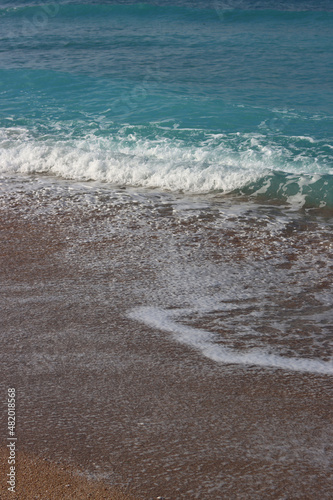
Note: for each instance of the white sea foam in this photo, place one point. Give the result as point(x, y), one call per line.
point(213, 163)
point(205, 342)
point(130, 161)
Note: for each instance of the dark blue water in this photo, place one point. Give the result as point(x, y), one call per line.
point(198, 96)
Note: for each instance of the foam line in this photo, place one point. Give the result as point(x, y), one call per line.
point(203, 341)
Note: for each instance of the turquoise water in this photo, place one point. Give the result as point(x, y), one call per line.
point(200, 97)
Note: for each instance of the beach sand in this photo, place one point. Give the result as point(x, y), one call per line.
point(126, 404)
point(39, 478)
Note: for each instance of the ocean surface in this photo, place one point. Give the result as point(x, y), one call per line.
point(197, 96)
point(212, 122)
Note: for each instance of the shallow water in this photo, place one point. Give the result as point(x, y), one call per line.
point(241, 282)
point(169, 343)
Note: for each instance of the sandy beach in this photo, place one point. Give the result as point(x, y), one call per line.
point(124, 403)
point(39, 478)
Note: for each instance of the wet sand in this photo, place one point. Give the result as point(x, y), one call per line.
point(127, 404)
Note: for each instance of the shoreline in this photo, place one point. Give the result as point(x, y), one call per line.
point(119, 400)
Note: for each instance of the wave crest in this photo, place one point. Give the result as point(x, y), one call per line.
point(188, 161)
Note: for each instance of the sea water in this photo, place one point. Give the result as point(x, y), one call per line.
point(215, 116)
point(198, 96)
